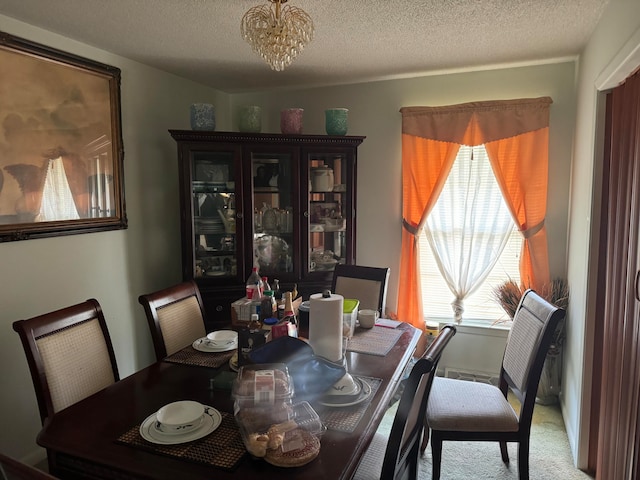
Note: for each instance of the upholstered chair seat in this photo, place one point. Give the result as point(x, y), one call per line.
point(470, 406)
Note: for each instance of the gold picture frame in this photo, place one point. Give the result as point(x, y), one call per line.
point(61, 154)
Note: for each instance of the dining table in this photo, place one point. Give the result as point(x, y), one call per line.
point(97, 437)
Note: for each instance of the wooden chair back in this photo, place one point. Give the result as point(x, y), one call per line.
point(366, 284)
point(401, 455)
point(175, 316)
point(69, 353)
point(531, 335)
point(12, 469)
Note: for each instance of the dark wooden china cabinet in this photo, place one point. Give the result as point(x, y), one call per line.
point(285, 203)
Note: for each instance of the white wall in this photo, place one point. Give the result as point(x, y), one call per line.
point(477, 350)
point(619, 23)
point(115, 267)
point(374, 112)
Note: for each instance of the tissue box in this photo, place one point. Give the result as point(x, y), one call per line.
point(241, 311)
point(349, 316)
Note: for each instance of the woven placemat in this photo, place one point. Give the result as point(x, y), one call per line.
point(374, 341)
point(191, 356)
point(345, 419)
point(223, 448)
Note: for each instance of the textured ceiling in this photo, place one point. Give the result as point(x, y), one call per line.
point(355, 40)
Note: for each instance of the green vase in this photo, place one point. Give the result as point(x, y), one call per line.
point(336, 121)
point(250, 119)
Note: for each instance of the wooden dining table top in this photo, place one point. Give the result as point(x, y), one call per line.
point(83, 436)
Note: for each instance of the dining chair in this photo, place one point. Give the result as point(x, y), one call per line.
point(175, 316)
point(366, 284)
point(396, 456)
point(70, 357)
point(12, 469)
point(461, 410)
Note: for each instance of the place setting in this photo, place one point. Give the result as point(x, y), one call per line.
point(217, 342)
point(183, 429)
point(212, 351)
point(180, 422)
point(346, 392)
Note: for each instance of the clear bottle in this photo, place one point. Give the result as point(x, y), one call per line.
point(265, 284)
point(254, 285)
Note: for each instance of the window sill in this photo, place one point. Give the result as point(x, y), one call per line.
point(477, 327)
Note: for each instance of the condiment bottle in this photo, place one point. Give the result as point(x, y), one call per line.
point(289, 315)
point(277, 293)
point(267, 306)
point(254, 323)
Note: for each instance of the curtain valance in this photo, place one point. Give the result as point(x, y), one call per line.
point(476, 123)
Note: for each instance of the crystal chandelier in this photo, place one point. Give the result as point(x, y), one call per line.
point(277, 33)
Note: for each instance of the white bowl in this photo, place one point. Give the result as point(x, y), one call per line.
point(178, 417)
point(345, 386)
point(221, 338)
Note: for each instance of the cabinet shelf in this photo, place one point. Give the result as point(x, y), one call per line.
point(277, 227)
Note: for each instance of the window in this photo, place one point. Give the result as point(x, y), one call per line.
point(476, 243)
point(515, 133)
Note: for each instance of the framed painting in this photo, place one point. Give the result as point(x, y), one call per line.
point(61, 155)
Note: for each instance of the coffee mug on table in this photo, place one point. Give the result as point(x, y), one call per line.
point(367, 318)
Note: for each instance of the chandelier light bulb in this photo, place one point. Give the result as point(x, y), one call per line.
point(277, 33)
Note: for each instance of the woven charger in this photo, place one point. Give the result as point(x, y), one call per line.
point(346, 419)
point(223, 448)
point(191, 356)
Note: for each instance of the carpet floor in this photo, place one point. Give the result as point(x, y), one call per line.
point(549, 456)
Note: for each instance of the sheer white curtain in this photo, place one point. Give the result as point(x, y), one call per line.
point(57, 200)
point(469, 226)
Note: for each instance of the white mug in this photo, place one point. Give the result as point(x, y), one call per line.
point(367, 318)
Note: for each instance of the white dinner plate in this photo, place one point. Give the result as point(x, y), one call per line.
point(211, 420)
point(333, 401)
point(202, 345)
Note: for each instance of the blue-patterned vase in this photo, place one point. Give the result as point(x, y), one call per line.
point(203, 116)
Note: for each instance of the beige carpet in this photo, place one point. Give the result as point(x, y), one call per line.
point(549, 457)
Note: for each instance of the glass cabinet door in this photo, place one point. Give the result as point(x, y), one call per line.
point(328, 211)
point(273, 226)
point(213, 191)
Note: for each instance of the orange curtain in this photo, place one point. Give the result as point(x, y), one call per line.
point(515, 133)
point(426, 165)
